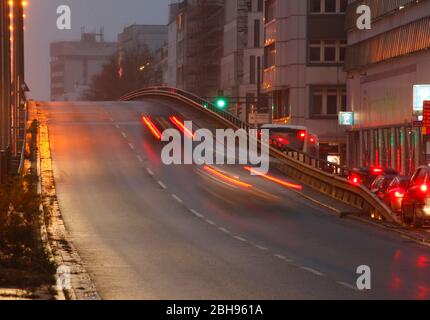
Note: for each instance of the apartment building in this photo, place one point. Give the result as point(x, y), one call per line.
point(242, 51)
point(305, 43)
point(74, 63)
point(136, 38)
point(388, 79)
point(196, 41)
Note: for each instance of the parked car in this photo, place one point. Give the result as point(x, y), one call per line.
point(381, 183)
point(361, 176)
point(366, 176)
point(416, 201)
point(395, 192)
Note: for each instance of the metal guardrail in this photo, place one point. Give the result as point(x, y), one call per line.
point(295, 164)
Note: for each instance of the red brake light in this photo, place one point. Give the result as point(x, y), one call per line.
point(398, 194)
point(355, 180)
point(302, 134)
point(376, 171)
point(424, 188)
point(312, 140)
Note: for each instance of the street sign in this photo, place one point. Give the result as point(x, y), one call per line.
point(346, 118)
point(417, 124)
point(421, 94)
point(426, 117)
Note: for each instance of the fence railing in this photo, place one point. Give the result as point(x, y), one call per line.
point(316, 173)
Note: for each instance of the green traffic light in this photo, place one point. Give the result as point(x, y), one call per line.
point(221, 103)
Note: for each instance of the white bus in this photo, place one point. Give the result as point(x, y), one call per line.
point(293, 138)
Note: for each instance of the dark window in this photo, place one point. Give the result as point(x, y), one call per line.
point(315, 54)
point(332, 104)
point(257, 42)
point(330, 54)
point(317, 104)
point(269, 56)
point(330, 5)
point(252, 69)
point(343, 5)
point(260, 5)
point(315, 6)
point(270, 10)
point(343, 103)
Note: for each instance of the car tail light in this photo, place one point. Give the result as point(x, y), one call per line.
point(302, 134)
point(377, 171)
point(152, 127)
point(313, 140)
point(355, 180)
point(398, 194)
point(424, 188)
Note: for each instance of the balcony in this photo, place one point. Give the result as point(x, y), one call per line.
point(270, 34)
point(269, 78)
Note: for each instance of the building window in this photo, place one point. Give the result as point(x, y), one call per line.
point(281, 104)
point(270, 11)
point(252, 72)
point(328, 6)
point(260, 5)
point(181, 22)
point(257, 41)
point(327, 51)
point(327, 101)
point(269, 56)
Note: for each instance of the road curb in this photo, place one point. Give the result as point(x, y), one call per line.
point(55, 236)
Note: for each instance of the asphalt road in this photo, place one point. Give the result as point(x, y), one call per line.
point(150, 231)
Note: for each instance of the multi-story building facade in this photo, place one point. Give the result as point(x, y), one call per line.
point(242, 50)
point(136, 38)
point(75, 63)
point(304, 45)
point(388, 79)
point(195, 35)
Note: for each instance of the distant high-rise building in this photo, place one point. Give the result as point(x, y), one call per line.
point(74, 63)
point(136, 38)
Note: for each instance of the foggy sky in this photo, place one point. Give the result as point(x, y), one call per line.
point(113, 15)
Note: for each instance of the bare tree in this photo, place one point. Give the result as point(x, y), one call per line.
point(129, 71)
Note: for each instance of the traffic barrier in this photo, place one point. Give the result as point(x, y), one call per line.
point(294, 164)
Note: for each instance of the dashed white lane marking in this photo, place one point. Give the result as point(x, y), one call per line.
point(162, 185)
point(224, 230)
point(280, 256)
point(261, 247)
point(198, 215)
point(174, 196)
point(124, 135)
point(150, 172)
point(347, 285)
point(132, 146)
point(240, 239)
point(313, 271)
point(111, 119)
point(117, 126)
point(210, 222)
point(139, 158)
